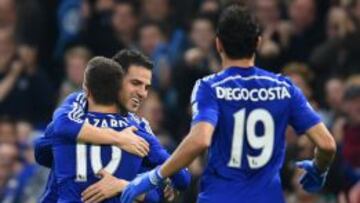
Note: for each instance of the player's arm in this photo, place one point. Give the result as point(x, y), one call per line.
point(43, 151)
point(110, 186)
point(305, 120)
point(69, 121)
point(205, 116)
point(43, 147)
point(158, 155)
point(325, 146)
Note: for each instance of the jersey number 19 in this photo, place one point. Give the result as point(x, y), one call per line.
point(264, 142)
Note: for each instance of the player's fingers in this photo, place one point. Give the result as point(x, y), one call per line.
point(96, 198)
point(144, 146)
point(167, 194)
point(142, 140)
point(141, 151)
point(89, 192)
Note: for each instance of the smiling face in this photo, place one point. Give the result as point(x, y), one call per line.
point(135, 87)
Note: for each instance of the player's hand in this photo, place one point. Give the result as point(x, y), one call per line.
point(142, 184)
point(170, 193)
point(313, 179)
point(132, 143)
point(107, 187)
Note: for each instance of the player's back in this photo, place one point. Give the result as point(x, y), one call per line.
point(250, 109)
point(76, 164)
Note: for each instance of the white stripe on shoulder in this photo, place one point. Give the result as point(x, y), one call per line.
point(78, 108)
point(75, 114)
point(253, 77)
point(195, 89)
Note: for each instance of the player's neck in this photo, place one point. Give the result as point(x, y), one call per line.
point(103, 108)
point(242, 63)
point(100, 108)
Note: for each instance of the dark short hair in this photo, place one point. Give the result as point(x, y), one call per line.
point(238, 32)
point(103, 79)
point(127, 57)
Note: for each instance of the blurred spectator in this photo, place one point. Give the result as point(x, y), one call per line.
point(24, 133)
point(76, 59)
point(7, 130)
point(152, 111)
point(210, 6)
point(153, 42)
point(334, 90)
point(8, 162)
point(25, 91)
point(338, 54)
point(29, 26)
point(302, 76)
point(202, 37)
point(7, 13)
point(303, 32)
point(156, 10)
point(347, 135)
point(269, 52)
point(111, 29)
point(199, 60)
point(70, 19)
point(125, 22)
point(151, 36)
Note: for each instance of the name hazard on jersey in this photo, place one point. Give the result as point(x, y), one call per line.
point(255, 95)
point(103, 123)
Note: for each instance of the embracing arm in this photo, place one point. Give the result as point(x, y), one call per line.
point(69, 121)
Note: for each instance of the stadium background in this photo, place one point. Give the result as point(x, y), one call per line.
point(44, 47)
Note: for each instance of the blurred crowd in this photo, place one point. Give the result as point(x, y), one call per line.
point(45, 45)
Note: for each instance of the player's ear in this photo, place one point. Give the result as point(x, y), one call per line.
point(218, 44)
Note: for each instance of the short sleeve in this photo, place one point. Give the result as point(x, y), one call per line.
point(69, 117)
point(204, 104)
point(302, 115)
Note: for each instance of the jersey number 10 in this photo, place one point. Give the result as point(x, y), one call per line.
point(96, 165)
point(264, 142)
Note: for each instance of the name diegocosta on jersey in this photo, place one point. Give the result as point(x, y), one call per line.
point(255, 95)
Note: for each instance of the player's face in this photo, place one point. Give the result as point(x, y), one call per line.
point(135, 87)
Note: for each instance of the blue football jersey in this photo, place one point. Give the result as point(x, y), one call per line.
point(61, 135)
point(76, 164)
point(250, 109)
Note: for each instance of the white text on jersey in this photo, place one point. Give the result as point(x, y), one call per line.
point(256, 94)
